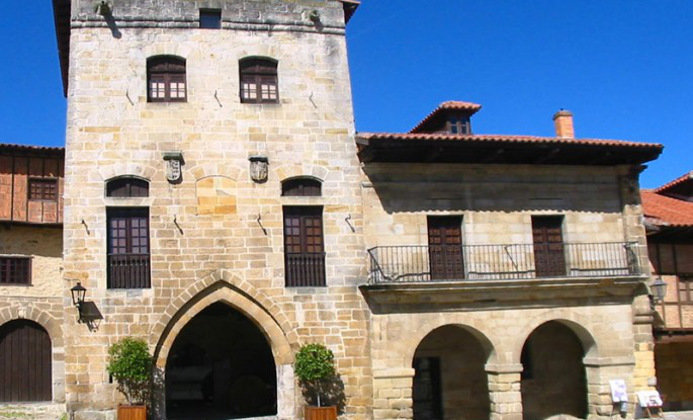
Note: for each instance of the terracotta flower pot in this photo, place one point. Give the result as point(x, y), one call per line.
point(321, 413)
point(132, 412)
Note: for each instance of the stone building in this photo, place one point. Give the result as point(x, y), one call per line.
point(219, 204)
point(669, 221)
point(31, 245)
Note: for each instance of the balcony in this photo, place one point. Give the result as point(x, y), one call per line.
point(128, 271)
point(305, 269)
point(429, 264)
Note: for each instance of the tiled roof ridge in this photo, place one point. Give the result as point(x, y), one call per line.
point(507, 138)
point(683, 178)
point(459, 105)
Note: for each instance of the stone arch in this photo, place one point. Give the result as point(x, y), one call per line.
point(295, 170)
point(421, 333)
point(122, 169)
point(224, 169)
point(238, 294)
point(566, 318)
point(450, 378)
point(32, 313)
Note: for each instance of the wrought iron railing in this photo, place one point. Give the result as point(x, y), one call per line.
point(421, 263)
point(128, 271)
point(305, 269)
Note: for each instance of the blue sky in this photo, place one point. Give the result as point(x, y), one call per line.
point(624, 67)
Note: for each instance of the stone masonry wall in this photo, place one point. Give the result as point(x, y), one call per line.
point(229, 252)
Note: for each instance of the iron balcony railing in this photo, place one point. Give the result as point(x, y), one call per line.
point(128, 271)
point(421, 263)
point(305, 269)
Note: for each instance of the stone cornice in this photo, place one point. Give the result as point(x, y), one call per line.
point(471, 295)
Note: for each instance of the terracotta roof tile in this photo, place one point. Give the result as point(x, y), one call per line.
point(31, 148)
point(677, 181)
point(445, 106)
point(504, 139)
point(666, 211)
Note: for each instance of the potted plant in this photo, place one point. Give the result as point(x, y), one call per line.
point(314, 368)
point(130, 364)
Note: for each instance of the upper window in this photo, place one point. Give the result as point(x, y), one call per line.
point(210, 18)
point(459, 125)
point(15, 270)
point(166, 79)
point(301, 187)
point(43, 189)
point(127, 187)
point(259, 80)
point(304, 253)
point(128, 247)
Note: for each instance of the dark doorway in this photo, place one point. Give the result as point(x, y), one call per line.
point(450, 381)
point(553, 376)
point(220, 367)
point(25, 362)
point(445, 247)
point(549, 257)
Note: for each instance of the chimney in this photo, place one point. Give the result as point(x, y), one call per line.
point(563, 120)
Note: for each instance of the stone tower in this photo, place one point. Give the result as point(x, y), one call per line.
point(212, 202)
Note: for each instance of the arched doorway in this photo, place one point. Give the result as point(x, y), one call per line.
point(220, 366)
point(553, 375)
point(25, 362)
point(450, 381)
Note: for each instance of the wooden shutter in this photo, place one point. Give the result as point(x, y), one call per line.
point(303, 246)
point(445, 247)
point(25, 362)
point(549, 257)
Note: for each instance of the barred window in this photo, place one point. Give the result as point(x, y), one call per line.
point(166, 79)
point(15, 270)
point(259, 83)
point(43, 189)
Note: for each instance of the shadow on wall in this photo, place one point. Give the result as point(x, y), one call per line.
point(425, 187)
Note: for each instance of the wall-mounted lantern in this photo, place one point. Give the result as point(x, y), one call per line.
point(88, 312)
point(659, 289)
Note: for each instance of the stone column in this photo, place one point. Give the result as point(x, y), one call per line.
point(504, 391)
point(598, 372)
point(392, 394)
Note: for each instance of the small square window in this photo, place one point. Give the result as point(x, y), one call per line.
point(210, 18)
point(43, 189)
point(15, 270)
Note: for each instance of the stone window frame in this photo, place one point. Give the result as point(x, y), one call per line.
point(15, 270)
point(301, 186)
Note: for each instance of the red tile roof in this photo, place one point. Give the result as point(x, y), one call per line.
point(666, 211)
point(503, 138)
point(677, 181)
point(448, 106)
point(28, 148)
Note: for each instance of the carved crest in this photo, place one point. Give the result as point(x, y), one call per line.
point(258, 168)
point(174, 163)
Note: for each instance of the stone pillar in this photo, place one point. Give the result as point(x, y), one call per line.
point(598, 372)
point(392, 394)
point(504, 391)
point(286, 409)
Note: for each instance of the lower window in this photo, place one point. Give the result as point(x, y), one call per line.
point(128, 248)
point(304, 254)
point(15, 270)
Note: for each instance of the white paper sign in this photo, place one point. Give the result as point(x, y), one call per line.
point(649, 399)
point(618, 390)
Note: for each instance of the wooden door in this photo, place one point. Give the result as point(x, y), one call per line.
point(445, 247)
point(25, 362)
point(426, 392)
point(549, 254)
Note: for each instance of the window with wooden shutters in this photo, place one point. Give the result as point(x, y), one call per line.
point(166, 79)
point(549, 254)
point(127, 187)
point(304, 256)
point(259, 83)
point(445, 247)
point(15, 270)
point(128, 248)
point(301, 187)
point(43, 189)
